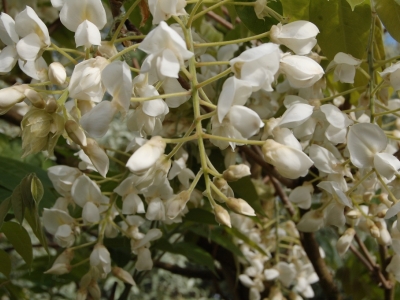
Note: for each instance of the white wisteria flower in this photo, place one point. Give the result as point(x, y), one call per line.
point(301, 71)
point(8, 35)
point(117, 79)
point(85, 18)
point(34, 34)
point(257, 66)
point(87, 195)
point(289, 162)
point(86, 83)
point(162, 10)
point(298, 36)
point(392, 74)
point(100, 259)
point(345, 67)
point(366, 143)
point(167, 52)
point(60, 224)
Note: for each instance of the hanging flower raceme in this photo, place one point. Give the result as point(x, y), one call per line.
point(85, 18)
point(167, 52)
point(298, 36)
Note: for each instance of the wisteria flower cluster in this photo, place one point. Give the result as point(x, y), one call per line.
point(270, 100)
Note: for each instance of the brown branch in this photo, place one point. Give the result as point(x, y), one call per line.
point(5, 6)
point(361, 257)
point(311, 247)
point(376, 267)
point(220, 20)
point(283, 196)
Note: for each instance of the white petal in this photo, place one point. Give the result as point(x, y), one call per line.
point(168, 64)
point(335, 117)
point(97, 156)
point(27, 22)
point(90, 213)
point(364, 140)
point(245, 120)
point(85, 190)
point(8, 35)
point(234, 92)
point(301, 196)
point(323, 159)
point(387, 165)
point(33, 69)
point(28, 47)
point(151, 235)
point(103, 111)
point(296, 115)
point(132, 204)
point(74, 12)
point(155, 108)
point(87, 34)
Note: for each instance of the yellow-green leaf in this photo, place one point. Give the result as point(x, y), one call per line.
point(296, 9)
point(33, 219)
point(341, 29)
point(18, 204)
point(5, 265)
point(389, 13)
point(19, 238)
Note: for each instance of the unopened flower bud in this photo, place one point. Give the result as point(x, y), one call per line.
point(81, 294)
point(374, 230)
point(353, 214)
point(35, 98)
point(384, 239)
point(367, 197)
point(57, 73)
point(177, 204)
point(51, 106)
point(94, 290)
point(62, 263)
point(97, 156)
point(344, 241)
point(75, 132)
point(107, 49)
point(224, 187)
point(123, 275)
point(240, 206)
point(222, 215)
point(383, 198)
point(11, 96)
point(235, 172)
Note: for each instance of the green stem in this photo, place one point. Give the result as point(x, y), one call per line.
point(343, 93)
point(130, 37)
point(122, 21)
point(211, 63)
point(222, 138)
point(126, 50)
point(193, 12)
point(214, 78)
point(62, 52)
point(388, 190)
point(165, 96)
point(202, 13)
point(243, 40)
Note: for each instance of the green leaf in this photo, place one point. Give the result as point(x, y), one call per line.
point(4, 208)
point(244, 188)
point(5, 265)
point(193, 252)
point(33, 219)
point(389, 13)
point(219, 236)
point(14, 171)
point(248, 16)
point(341, 29)
point(236, 233)
point(18, 204)
point(295, 9)
point(19, 238)
point(199, 215)
point(37, 189)
point(26, 191)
